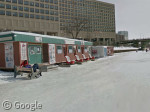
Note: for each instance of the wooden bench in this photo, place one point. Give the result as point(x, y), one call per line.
point(64, 64)
point(47, 67)
point(31, 74)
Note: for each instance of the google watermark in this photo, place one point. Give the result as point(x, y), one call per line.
point(8, 105)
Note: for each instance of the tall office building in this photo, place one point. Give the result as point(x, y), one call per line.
point(119, 38)
point(52, 17)
point(125, 33)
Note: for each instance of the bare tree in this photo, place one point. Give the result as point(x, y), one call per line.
point(76, 26)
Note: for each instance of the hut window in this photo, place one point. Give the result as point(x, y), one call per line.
point(85, 49)
point(70, 49)
point(38, 50)
point(79, 49)
point(59, 49)
point(32, 50)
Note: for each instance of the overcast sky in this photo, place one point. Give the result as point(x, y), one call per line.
point(133, 16)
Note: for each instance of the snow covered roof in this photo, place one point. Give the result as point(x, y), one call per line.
point(31, 34)
point(67, 40)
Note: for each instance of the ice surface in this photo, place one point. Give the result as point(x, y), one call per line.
point(119, 83)
point(124, 48)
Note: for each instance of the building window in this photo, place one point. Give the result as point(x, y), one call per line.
point(41, 11)
point(85, 49)
point(26, 15)
point(26, 2)
point(14, 7)
point(51, 7)
point(14, 1)
point(52, 18)
point(37, 4)
point(8, 0)
point(70, 50)
point(51, 12)
point(56, 13)
point(46, 11)
point(20, 8)
point(47, 17)
point(41, 5)
point(46, 0)
point(26, 9)
point(20, 1)
point(46, 6)
point(38, 50)
point(37, 17)
point(14, 14)
point(56, 19)
point(31, 9)
point(79, 49)
point(56, 7)
point(8, 6)
point(8, 13)
point(55, 1)
point(37, 10)
point(31, 15)
point(2, 5)
point(31, 3)
point(20, 14)
point(42, 0)
point(2, 12)
point(59, 49)
point(51, 1)
point(42, 17)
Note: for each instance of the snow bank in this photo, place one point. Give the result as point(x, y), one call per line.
point(125, 48)
point(8, 77)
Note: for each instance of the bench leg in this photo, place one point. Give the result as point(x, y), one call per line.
point(15, 74)
point(15, 71)
point(32, 76)
point(29, 75)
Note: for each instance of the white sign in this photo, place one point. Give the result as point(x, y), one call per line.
point(85, 50)
point(5, 38)
point(38, 39)
point(70, 51)
point(52, 58)
point(69, 41)
point(9, 55)
point(79, 50)
point(23, 48)
point(59, 51)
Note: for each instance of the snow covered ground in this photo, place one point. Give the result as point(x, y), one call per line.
point(125, 48)
point(120, 83)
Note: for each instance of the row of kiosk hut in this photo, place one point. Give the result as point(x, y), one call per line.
point(17, 47)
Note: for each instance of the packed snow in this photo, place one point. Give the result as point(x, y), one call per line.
point(119, 83)
point(125, 48)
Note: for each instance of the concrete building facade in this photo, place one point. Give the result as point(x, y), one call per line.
point(125, 33)
point(120, 38)
point(51, 17)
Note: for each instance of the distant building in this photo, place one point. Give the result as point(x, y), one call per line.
point(120, 38)
point(125, 33)
point(51, 17)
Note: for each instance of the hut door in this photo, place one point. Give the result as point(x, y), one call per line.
point(82, 50)
point(64, 49)
point(35, 54)
point(52, 51)
point(9, 55)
